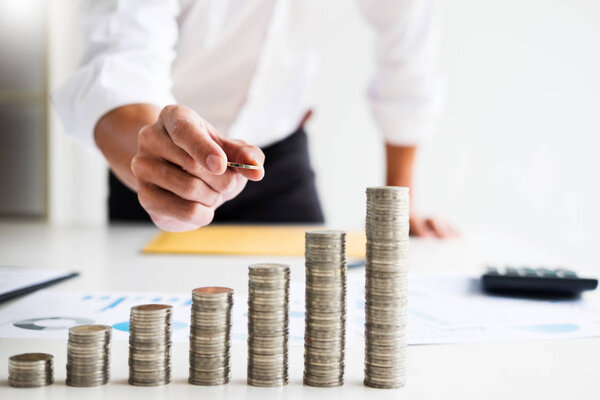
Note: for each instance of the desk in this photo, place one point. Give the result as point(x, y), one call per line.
point(109, 260)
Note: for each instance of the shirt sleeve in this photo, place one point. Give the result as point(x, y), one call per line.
point(129, 46)
point(405, 93)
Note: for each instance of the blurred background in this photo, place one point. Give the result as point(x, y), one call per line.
point(516, 150)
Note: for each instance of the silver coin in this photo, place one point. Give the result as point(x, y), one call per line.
point(268, 298)
point(243, 166)
point(88, 355)
point(387, 228)
point(30, 370)
point(325, 316)
point(150, 345)
point(210, 336)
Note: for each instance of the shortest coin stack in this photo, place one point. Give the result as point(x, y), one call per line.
point(210, 336)
point(30, 370)
point(268, 298)
point(88, 355)
point(150, 345)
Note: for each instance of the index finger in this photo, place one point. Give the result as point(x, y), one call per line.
point(191, 133)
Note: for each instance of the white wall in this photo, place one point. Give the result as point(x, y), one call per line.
point(77, 176)
point(516, 149)
point(517, 145)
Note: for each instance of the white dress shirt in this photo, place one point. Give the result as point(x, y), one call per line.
point(244, 65)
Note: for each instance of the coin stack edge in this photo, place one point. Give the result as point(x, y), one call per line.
point(325, 306)
point(268, 306)
point(210, 336)
point(387, 228)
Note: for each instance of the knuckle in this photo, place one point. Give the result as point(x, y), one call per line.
point(206, 217)
point(145, 134)
point(174, 111)
point(144, 198)
point(135, 165)
point(191, 211)
point(179, 128)
point(198, 214)
point(226, 183)
point(211, 199)
point(168, 111)
point(191, 164)
point(175, 119)
point(215, 199)
point(139, 165)
point(191, 187)
point(162, 224)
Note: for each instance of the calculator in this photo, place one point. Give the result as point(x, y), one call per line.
point(535, 281)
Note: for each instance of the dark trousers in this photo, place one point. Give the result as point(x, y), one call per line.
point(287, 194)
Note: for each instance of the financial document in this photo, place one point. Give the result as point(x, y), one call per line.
point(453, 309)
point(441, 309)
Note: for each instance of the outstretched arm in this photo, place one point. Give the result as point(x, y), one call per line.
point(117, 101)
point(399, 172)
point(405, 93)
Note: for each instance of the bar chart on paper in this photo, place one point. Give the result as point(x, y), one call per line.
point(441, 309)
point(49, 314)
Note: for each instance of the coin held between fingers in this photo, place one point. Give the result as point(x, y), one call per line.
point(244, 166)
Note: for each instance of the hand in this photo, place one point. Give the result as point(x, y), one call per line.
point(431, 227)
point(181, 169)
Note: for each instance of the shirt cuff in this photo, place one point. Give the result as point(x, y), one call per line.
point(407, 123)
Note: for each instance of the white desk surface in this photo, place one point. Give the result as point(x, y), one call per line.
point(109, 260)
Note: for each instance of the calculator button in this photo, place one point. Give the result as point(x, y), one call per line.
point(546, 273)
point(528, 271)
point(565, 273)
point(492, 271)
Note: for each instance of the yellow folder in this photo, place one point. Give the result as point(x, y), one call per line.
point(275, 240)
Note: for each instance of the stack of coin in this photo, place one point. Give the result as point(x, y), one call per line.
point(325, 319)
point(30, 370)
point(210, 336)
point(386, 267)
point(88, 355)
point(268, 302)
point(150, 345)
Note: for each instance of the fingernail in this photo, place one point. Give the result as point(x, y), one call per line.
point(214, 163)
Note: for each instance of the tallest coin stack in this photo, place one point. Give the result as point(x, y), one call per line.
point(385, 286)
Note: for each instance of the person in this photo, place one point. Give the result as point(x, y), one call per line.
point(170, 90)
